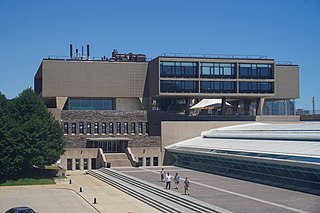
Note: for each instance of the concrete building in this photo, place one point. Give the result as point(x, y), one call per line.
point(114, 111)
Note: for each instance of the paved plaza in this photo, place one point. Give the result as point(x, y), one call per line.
point(227, 193)
point(232, 194)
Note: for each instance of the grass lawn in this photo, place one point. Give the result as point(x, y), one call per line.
point(34, 177)
point(28, 181)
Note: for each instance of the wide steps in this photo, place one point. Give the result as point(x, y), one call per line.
point(118, 159)
point(156, 196)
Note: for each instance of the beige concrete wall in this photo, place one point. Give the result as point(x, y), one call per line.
point(148, 152)
point(93, 79)
point(287, 85)
point(78, 153)
point(128, 104)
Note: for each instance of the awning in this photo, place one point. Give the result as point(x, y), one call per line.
point(209, 104)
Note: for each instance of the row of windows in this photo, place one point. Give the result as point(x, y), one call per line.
point(89, 104)
point(178, 69)
point(257, 71)
point(256, 87)
point(178, 86)
point(215, 87)
point(148, 161)
point(119, 128)
point(215, 70)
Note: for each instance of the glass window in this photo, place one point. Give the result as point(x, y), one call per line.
point(125, 127)
point(256, 71)
point(88, 127)
point(140, 160)
point(73, 128)
point(69, 164)
point(217, 70)
point(81, 130)
point(140, 128)
point(65, 128)
point(104, 128)
point(118, 127)
point(178, 69)
point(178, 86)
point(256, 87)
point(133, 127)
point(77, 164)
point(96, 128)
point(89, 104)
point(147, 161)
point(217, 87)
point(85, 163)
point(147, 128)
point(110, 128)
point(155, 161)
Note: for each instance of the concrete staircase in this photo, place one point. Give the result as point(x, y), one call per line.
point(153, 195)
point(117, 159)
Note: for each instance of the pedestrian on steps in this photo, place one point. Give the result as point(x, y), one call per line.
point(186, 186)
point(168, 181)
point(162, 174)
point(177, 180)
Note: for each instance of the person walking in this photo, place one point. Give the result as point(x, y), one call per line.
point(168, 181)
point(177, 180)
point(162, 174)
point(186, 186)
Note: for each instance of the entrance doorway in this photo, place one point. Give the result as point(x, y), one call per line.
point(108, 146)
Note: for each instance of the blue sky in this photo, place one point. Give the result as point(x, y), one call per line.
point(286, 30)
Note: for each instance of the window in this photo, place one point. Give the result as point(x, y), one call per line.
point(85, 163)
point(104, 128)
point(77, 164)
point(217, 70)
point(178, 69)
point(133, 128)
point(178, 86)
point(155, 161)
point(65, 128)
point(147, 161)
point(110, 128)
point(140, 161)
point(256, 87)
point(125, 127)
point(217, 87)
point(140, 128)
point(88, 128)
point(256, 71)
point(89, 104)
point(81, 130)
point(118, 127)
point(96, 128)
point(147, 128)
point(69, 164)
point(73, 128)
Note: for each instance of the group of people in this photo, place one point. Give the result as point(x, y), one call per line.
point(166, 177)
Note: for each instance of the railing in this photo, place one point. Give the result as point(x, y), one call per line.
point(205, 55)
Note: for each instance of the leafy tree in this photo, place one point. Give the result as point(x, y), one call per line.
point(33, 137)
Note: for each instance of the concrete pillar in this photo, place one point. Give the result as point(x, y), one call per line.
point(81, 164)
point(73, 164)
point(260, 104)
point(187, 111)
point(61, 101)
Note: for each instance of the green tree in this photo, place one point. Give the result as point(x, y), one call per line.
point(34, 138)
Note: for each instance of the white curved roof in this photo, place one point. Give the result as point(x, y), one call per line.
point(301, 139)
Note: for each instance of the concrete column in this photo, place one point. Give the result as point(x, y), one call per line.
point(73, 164)
point(285, 107)
point(89, 163)
point(260, 104)
point(61, 101)
point(187, 111)
point(81, 164)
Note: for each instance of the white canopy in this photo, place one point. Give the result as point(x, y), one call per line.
point(209, 103)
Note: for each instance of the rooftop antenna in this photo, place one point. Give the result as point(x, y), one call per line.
point(71, 51)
